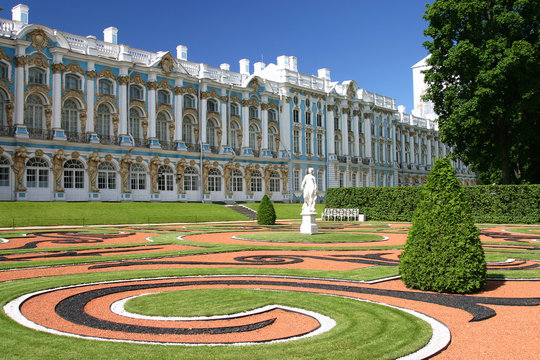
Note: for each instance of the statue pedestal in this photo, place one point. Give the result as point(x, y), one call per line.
point(309, 225)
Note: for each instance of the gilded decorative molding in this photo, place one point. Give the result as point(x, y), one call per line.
point(20, 61)
point(58, 68)
point(115, 121)
point(210, 94)
point(330, 107)
point(58, 169)
point(125, 165)
point(172, 126)
point(144, 125)
point(137, 79)
point(367, 115)
point(138, 103)
point(75, 94)
point(165, 84)
point(167, 63)
point(19, 167)
point(247, 176)
point(42, 90)
point(106, 99)
point(91, 74)
point(48, 117)
point(4, 55)
point(224, 99)
point(153, 170)
point(190, 89)
point(74, 67)
point(235, 98)
point(38, 61)
point(180, 167)
point(39, 39)
point(10, 109)
point(192, 113)
point(178, 90)
point(251, 102)
point(152, 85)
point(357, 113)
point(345, 111)
point(285, 177)
point(92, 163)
point(107, 73)
point(123, 80)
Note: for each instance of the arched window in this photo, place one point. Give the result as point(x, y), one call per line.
point(272, 137)
point(105, 87)
point(33, 114)
point(191, 179)
point(235, 132)
point(103, 120)
point(73, 174)
point(187, 130)
point(272, 115)
point(256, 181)
point(253, 112)
point(189, 102)
point(165, 178)
point(73, 82)
point(135, 92)
point(237, 180)
point(37, 173)
point(162, 127)
point(212, 105)
point(106, 176)
point(4, 171)
point(164, 97)
point(70, 116)
point(3, 112)
point(214, 180)
point(235, 109)
point(4, 71)
point(135, 122)
point(211, 132)
point(137, 175)
point(275, 183)
point(36, 76)
point(253, 132)
point(337, 145)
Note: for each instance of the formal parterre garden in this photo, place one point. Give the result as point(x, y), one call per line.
point(235, 289)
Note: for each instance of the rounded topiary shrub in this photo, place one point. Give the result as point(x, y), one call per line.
point(443, 252)
point(266, 215)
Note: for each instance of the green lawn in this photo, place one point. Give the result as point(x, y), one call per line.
point(288, 211)
point(295, 237)
point(15, 214)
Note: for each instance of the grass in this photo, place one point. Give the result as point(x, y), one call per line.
point(18, 214)
point(363, 330)
point(288, 211)
point(294, 237)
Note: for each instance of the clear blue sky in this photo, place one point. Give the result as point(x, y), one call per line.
point(374, 42)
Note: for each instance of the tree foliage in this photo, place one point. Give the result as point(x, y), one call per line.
point(484, 82)
point(266, 214)
point(443, 252)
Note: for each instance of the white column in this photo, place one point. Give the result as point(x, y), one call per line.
point(90, 99)
point(123, 81)
point(345, 133)
point(245, 125)
point(264, 119)
point(224, 137)
point(20, 62)
point(428, 148)
point(203, 111)
point(285, 127)
point(412, 142)
point(151, 86)
point(367, 133)
point(356, 136)
point(330, 132)
point(403, 158)
point(178, 110)
point(56, 123)
point(393, 146)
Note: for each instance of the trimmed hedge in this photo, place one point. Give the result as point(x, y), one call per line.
point(512, 204)
point(266, 214)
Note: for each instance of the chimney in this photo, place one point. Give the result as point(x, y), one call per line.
point(244, 66)
point(324, 73)
point(225, 67)
point(293, 63)
point(110, 35)
point(283, 62)
point(20, 13)
point(181, 52)
point(258, 67)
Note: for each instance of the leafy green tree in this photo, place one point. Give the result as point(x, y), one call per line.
point(484, 82)
point(266, 214)
point(443, 252)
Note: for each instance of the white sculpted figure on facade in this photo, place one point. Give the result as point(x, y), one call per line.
point(309, 185)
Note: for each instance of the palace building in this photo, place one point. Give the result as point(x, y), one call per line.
point(84, 119)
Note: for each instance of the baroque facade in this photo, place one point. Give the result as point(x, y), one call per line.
point(84, 119)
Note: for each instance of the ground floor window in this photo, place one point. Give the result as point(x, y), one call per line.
point(191, 179)
point(214, 180)
point(256, 181)
point(165, 178)
point(106, 176)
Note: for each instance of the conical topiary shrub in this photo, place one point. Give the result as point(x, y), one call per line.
point(266, 215)
point(443, 252)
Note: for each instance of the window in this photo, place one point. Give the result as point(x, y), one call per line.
point(336, 123)
point(253, 132)
point(361, 148)
point(308, 118)
point(351, 145)
point(256, 181)
point(103, 120)
point(272, 136)
point(162, 127)
point(353, 178)
point(4, 69)
point(319, 120)
point(341, 180)
point(320, 180)
point(135, 92)
point(165, 178)
point(296, 141)
point(212, 106)
point(253, 112)
point(272, 115)
point(309, 144)
point(189, 102)
point(296, 117)
point(70, 116)
point(106, 176)
point(235, 109)
point(235, 132)
point(237, 180)
point(33, 114)
point(296, 180)
point(37, 173)
point(164, 97)
point(3, 112)
point(191, 179)
point(319, 144)
point(4, 171)
point(187, 130)
point(36, 76)
point(295, 100)
point(214, 180)
point(105, 87)
point(212, 132)
point(135, 122)
point(137, 177)
point(275, 182)
point(337, 145)
point(73, 174)
point(73, 82)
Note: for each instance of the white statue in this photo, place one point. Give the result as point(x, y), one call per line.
point(309, 185)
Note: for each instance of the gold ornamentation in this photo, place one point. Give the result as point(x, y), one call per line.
point(247, 175)
point(165, 84)
point(167, 161)
point(227, 171)
point(48, 117)
point(83, 116)
point(190, 89)
point(92, 162)
point(285, 176)
point(115, 121)
point(125, 165)
point(58, 68)
point(19, 167)
point(38, 61)
point(206, 169)
point(58, 169)
point(107, 73)
point(167, 63)
point(224, 99)
point(74, 67)
point(152, 85)
point(75, 155)
point(39, 89)
point(235, 98)
point(20, 61)
point(74, 94)
point(180, 167)
point(139, 159)
point(330, 107)
point(350, 91)
point(123, 80)
point(137, 79)
point(254, 84)
point(39, 153)
point(1, 150)
point(4, 56)
point(39, 39)
point(108, 157)
point(251, 102)
point(145, 129)
point(178, 90)
point(91, 74)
